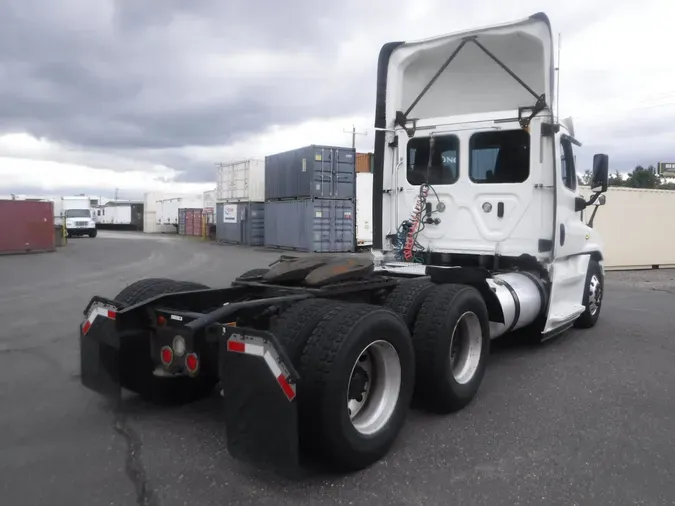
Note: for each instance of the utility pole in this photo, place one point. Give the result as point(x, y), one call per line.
point(354, 134)
point(116, 193)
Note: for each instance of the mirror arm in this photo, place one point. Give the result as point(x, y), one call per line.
point(590, 221)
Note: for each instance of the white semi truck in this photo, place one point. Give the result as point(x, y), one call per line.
point(479, 230)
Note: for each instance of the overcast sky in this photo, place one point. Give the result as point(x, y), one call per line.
point(149, 94)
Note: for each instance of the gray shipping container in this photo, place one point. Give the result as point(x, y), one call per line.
point(242, 223)
point(311, 172)
point(314, 225)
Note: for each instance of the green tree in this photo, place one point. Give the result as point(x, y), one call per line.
point(586, 178)
point(616, 179)
point(643, 178)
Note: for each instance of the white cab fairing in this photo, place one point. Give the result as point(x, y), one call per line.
point(471, 109)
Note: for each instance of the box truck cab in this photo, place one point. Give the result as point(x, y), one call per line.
point(77, 214)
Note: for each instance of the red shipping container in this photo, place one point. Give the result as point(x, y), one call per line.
point(26, 226)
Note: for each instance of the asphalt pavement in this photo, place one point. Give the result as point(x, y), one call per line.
point(585, 419)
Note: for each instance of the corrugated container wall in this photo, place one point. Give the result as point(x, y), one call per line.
point(314, 225)
point(26, 226)
point(364, 209)
point(241, 223)
point(190, 222)
point(635, 227)
point(242, 181)
point(364, 162)
point(311, 172)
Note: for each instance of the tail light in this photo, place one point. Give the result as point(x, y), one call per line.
point(192, 362)
point(167, 355)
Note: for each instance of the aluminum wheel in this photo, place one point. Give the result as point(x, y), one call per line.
point(374, 386)
point(594, 295)
point(465, 347)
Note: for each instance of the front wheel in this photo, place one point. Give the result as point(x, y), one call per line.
point(93, 233)
point(357, 373)
point(592, 299)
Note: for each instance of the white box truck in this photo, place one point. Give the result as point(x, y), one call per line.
point(77, 214)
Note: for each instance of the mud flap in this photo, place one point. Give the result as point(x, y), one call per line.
point(258, 386)
point(100, 351)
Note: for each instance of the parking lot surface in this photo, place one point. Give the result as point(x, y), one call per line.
point(586, 419)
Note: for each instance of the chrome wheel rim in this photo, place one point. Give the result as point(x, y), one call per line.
point(466, 345)
point(374, 387)
point(594, 295)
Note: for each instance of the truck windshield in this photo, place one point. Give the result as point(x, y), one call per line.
point(444, 162)
point(78, 213)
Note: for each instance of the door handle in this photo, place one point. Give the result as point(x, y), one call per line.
point(500, 210)
point(562, 234)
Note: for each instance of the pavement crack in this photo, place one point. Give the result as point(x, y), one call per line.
point(145, 495)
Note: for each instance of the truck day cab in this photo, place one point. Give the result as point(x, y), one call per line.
point(479, 230)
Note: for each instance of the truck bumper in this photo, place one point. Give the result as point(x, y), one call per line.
point(258, 384)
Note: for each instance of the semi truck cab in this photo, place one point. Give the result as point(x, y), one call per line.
point(472, 168)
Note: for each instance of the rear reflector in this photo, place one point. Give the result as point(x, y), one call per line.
point(93, 314)
point(261, 348)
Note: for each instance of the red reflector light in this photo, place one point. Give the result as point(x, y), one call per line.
point(191, 362)
point(167, 355)
point(237, 346)
point(112, 315)
point(161, 320)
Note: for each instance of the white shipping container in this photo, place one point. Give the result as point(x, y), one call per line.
point(364, 209)
point(635, 227)
point(161, 210)
point(169, 207)
point(242, 181)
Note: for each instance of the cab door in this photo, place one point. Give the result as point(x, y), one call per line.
point(569, 266)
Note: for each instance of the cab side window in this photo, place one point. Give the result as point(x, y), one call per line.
point(567, 165)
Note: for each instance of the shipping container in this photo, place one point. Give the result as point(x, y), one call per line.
point(242, 181)
point(364, 162)
point(311, 172)
point(241, 223)
point(314, 225)
point(364, 209)
point(635, 227)
point(26, 226)
point(161, 210)
point(190, 222)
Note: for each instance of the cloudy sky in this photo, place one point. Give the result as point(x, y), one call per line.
point(150, 94)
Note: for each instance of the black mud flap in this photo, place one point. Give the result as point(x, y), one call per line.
point(259, 391)
point(100, 349)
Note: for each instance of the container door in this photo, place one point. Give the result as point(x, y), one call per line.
point(343, 173)
point(569, 267)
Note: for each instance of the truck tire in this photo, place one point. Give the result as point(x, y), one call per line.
point(452, 345)
point(93, 233)
point(297, 323)
point(592, 299)
point(407, 298)
point(138, 374)
point(148, 288)
point(357, 371)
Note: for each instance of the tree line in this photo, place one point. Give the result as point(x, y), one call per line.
point(640, 177)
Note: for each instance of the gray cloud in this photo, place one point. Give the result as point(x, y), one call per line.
point(144, 79)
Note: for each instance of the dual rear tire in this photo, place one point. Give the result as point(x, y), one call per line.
point(360, 366)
